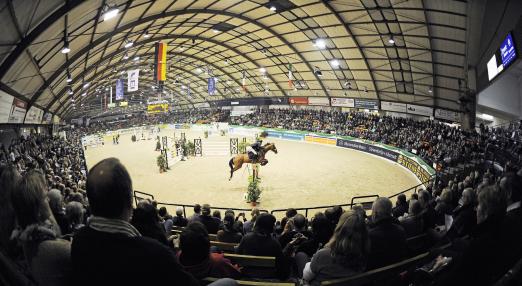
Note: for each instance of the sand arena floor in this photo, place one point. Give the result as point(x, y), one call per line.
point(300, 175)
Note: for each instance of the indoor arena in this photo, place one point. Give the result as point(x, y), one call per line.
point(261, 142)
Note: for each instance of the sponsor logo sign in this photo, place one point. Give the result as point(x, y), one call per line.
point(368, 148)
point(343, 102)
point(366, 103)
point(419, 110)
point(393, 106)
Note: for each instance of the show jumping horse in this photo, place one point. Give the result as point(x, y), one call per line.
point(240, 159)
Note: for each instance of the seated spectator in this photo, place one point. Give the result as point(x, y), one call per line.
point(229, 233)
point(211, 223)
point(401, 206)
point(444, 209)
point(429, 215)
point(56, 204)
point(74, 212)
point(295, 225)
point(48, 257)
point(195, 256)
point(248, 226)
point(290, 213)
point(511, 230)
point(344, 255)
point(479, 262)
point(9, 178)
point(179, 220)
point(164, 214)
point(197, 213)
point(464, 216)
point(145, 219)
point(109, 248)
point(412, 220)
point(387, 238)
point(260, 242)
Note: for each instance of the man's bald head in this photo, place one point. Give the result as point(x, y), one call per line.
point(381, 209)
point(109, 189)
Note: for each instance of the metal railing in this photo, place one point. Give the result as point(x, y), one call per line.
point(354, 201)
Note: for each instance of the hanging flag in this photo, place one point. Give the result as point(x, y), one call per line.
point(119, 89)
point(132, 82)
point(290, 76)
point(212, 86)
point(160, 62)
point(243, 82)
point(188, 89)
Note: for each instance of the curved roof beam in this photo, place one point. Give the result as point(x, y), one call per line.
point(117, 52)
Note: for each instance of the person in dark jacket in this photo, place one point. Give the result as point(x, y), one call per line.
point(401, 206)
point(412, 223)
point(109, 248)
point(145, 219)
point(387, 238)
point(464, 216)
point(211, 223)
point(229, 233)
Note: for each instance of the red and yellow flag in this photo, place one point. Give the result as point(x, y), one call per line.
point(160, 62)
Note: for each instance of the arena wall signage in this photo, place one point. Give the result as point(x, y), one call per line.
point(447, 114)
point(318, 101)
point(18, 110)
point(6, 104)
point(393, 106)
point(299, 100)
point(47, 118)
point(157, 107)
point(419, 110)
point(366, 103)
point(34, 115)
point(368, 148)
point(320, 139)
point(343, 102)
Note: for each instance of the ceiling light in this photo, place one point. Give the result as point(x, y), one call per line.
point(215, 31)
point(125, 56)
point(226, 62)
point(365, 89)
point(430, 89)
point(317, 71)
point(146, 35)
point(129, 44)
point(273, 8)
point(320, 43)
point(84, 94)
point(110, 13)
point(199, 70)
point(65, 49)
point(181, 48)
point(391, 40)
point(334, 63)
point(136, 58)
point(70, 92)
point(86, 85)
point(69, 78)
point(262, 70)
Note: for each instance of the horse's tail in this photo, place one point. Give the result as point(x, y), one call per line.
point(231, 165)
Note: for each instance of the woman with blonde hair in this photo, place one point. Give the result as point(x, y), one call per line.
point(344, 255)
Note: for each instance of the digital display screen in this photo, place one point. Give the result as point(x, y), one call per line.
point(507, 51)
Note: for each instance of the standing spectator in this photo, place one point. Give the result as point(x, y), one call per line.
point(344, 255)
point(388, 239)
point(109, 247)
point(229, 233)
point(211, 223)
point(56, 204)
point(511, 186)
point(74, 212)
point(48, 256)
point(9, 178)
point(195, 256)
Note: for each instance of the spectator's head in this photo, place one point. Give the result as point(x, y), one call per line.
point(468, 197)
point(216, 214)
point(321, 227)
point(145, 214)
point(264, 223)
point(349, 244)
point(205, 210)
point(163, 212)
point(194, 243)
point(74, 212)
point(490, 204)
point(179, 211)
point(290, 213)
point(414, 196)
point(414, 208)
point(197, 209)
point(255, 213)
point(510, 186)
point(299, 222)
point(424, 199)
point(29, 200)
point(109, 190)
point(55, 201)
point(337, 212)
point(401, 199)
point(381, 209)
point(229, 223)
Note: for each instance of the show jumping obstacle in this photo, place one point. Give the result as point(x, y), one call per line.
point(236, 162)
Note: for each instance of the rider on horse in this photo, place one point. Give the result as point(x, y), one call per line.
point(254, 149)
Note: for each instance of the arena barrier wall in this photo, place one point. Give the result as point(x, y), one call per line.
point(410, 161)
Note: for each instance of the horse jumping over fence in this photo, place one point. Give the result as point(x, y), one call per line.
point(236, 162)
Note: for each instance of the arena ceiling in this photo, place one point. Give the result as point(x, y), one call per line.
point(411, 51)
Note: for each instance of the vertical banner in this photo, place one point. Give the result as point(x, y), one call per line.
point(211, 86)
point(160, 62)
point(18, 110)
point(119, 89)
point(243, 81)
point(188, 89)
point(290, 76)
point(132, 80)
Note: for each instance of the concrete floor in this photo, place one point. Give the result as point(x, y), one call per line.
point(301, 175)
